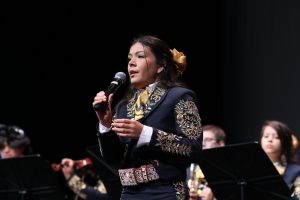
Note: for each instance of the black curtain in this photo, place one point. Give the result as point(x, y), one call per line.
point(261, 66)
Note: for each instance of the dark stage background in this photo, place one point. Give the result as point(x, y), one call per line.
point(243, 63)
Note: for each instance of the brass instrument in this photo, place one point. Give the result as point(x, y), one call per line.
point(197, 179)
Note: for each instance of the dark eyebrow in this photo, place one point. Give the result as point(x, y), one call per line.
point(137, 52)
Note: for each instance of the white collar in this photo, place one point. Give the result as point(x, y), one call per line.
point(152, 86)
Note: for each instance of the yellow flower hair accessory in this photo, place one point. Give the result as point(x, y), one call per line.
point(180, 60)
point(295, 143)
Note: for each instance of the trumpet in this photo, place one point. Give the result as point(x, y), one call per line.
point(197, 179)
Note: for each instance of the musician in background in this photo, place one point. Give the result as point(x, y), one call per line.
point(13, 142)
point(213, 136)
point(280, 145)
point(82, 179)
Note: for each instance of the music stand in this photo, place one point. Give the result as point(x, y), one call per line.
point(28, 178)
point(108, 174)
point(242, 172)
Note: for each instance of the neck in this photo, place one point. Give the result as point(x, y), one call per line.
point(274, 158)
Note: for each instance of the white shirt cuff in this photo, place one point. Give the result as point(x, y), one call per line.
point(103, 129)
point(145, 136)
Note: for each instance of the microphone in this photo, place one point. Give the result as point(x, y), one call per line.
point(119, 79)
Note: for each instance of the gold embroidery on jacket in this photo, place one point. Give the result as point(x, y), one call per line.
point(130, 108)
point(154, 98)
point(179, 187)
point(188, 118)
point(170, 143)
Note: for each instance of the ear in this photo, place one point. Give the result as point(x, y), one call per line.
point(160, 69)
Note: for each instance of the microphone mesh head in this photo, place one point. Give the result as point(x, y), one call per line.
point(121, 76)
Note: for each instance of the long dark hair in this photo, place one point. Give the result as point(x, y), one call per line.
point(285, 137)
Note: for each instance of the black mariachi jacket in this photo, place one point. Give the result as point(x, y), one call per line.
point(291, 177)
point(176, 140)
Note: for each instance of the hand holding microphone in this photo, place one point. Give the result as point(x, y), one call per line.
point(119, 79)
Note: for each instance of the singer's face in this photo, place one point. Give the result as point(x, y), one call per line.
point(142, 67)
point(270, 142)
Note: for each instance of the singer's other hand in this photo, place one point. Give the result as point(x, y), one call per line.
point(128, 128)
point(104, 118)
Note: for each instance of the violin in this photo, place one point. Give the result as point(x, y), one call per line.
point(78, 164)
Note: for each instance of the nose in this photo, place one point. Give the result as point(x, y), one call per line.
point(270, 139)
point(131, 62)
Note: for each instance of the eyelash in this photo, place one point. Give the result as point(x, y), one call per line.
point(139, 56)
point(266, 136)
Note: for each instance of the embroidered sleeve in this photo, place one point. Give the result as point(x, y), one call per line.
point(188, 119)
point(170, 143)
point(186, 143)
